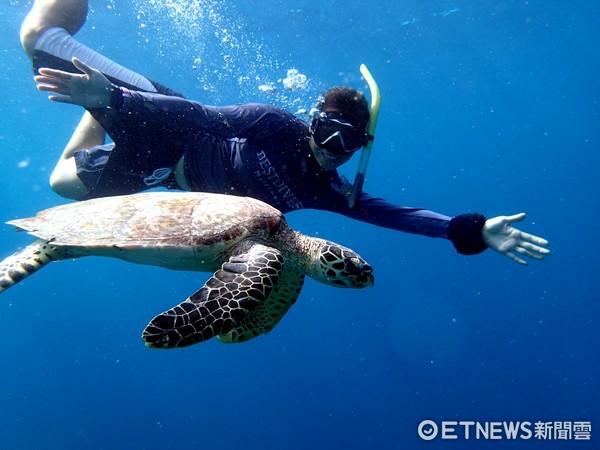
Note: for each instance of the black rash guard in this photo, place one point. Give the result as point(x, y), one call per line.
point(253, 150)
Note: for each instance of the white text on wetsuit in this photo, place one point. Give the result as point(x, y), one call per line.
point(271, 180)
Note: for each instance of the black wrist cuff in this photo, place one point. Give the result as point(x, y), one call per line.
point(465, 233)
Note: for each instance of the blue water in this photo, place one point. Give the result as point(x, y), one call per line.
point(487, 106)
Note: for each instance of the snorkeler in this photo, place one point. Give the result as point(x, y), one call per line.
point(256, 150)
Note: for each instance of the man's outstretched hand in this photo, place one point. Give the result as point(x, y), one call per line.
point(501, 236)
point(90, 89)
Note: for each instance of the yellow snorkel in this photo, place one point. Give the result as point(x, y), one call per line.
point(359, 180)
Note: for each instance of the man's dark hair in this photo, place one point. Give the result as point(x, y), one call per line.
point(350, 104)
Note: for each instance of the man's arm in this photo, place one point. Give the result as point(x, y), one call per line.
point(93, 91)
point(469, 233)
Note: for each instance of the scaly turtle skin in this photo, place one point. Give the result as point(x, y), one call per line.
point(258, 262)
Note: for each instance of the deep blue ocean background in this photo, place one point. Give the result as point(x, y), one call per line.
point(488, 106)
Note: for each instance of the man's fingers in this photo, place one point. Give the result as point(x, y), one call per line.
point(516, 258)
point(47, 81)
point(515, 218)
point(528, 252)
point(54, 73)
point(52, 89)
point(534, 239)
point(62, 99)
point(535, 248)
point(79, 64)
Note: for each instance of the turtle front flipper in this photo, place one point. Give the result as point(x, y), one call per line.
point(243, 282)
point(268, 314)
point(28, 261)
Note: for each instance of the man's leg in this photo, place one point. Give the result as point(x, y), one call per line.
point(46, 36)
point(64, 179)
point(67, 14)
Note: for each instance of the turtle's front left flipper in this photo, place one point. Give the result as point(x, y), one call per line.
point(227, 297)
point(28, 261)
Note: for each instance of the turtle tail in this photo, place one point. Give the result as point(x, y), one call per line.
point(26, 262)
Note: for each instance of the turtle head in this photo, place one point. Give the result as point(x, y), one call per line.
point(339, 266)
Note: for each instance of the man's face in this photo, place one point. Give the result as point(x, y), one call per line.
point(328, 160)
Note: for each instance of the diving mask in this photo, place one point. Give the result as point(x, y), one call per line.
point(335, 135)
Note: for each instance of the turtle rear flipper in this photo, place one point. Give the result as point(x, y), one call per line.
point(244, 282)
point(28, 261)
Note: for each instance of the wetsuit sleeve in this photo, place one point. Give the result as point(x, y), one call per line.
point(173, 115)
point(463, 231)
point(402, 218)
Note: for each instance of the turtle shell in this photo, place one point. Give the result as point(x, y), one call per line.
point(165, 219)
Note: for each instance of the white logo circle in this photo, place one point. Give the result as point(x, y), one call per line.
point(427, 430)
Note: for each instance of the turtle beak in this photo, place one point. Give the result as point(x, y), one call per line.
point(362, 271)
point(367, 277)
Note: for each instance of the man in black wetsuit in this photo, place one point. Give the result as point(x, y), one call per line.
point(257, 150)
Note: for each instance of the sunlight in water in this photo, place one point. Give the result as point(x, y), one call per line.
point(211, 37)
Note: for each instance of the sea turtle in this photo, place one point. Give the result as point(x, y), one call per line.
point(259, 262)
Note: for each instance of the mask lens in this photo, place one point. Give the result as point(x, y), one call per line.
point(335, 135)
